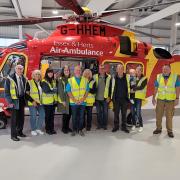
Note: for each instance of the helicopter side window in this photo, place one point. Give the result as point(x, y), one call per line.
point(133, 66)
point(56, 63)
point(111, 67)
point(9, 66)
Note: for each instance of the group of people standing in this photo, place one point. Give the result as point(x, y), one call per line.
point(74, 96)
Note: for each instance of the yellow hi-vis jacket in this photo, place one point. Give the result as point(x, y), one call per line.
point(108, 79)
point(167, 91)
point(113, 85)
point(78, 91)
point(141, 94)
point(14, 88)
point(49, 99)
point(34, 93)
point(91, 97)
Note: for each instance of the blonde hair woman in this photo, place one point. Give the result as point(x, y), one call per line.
point(35, 105)
point(90, 99)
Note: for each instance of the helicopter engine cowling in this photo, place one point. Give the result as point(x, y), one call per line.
point(161, 53)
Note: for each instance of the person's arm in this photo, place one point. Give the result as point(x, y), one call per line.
point(46, 89)
point(110, 89)
point(142, 86)
point(72, 97)
point(93, 90)
point(154, 96)
point(177, 91)
point(156, 85)
point(7, 93)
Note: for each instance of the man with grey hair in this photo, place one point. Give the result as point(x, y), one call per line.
point(15, 88)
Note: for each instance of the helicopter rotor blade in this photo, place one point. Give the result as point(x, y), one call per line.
point(30, 20)
point(144, 33)
point(112, 12)
point(71, 4)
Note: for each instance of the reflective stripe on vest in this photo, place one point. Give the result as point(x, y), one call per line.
point(78, 91)
point(48, 99)
point(91, 97)
point(13, 88)
point(141, 94)
point(167, 91)
point(34, 93)
point(106, 91)
point(128, 84)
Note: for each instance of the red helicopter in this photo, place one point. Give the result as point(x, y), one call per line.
point(84, 39)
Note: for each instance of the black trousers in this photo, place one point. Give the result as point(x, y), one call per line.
point(88, 117)
point(17, 119)
point(49, 117)
point(120, 104)
point(65, 120)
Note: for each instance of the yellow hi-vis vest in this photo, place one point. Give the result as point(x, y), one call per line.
point(141, 94)
point(106, 91)
point(49, 99)
point(34, 93)
point(14, 88)
point(167, 91)
point(78, 91)
point(113, 85)
point(91, 97)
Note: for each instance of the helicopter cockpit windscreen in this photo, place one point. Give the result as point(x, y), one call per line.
point(57, 63)
point(9, 66)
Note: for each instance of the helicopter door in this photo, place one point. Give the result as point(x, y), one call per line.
point(8, 67)
point(56, 63)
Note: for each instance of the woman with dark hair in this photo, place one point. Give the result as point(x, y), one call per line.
point(63, 99)
point(49, 98)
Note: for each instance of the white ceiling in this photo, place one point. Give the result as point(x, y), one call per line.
point(37, 8)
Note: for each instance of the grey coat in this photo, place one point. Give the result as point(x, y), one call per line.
point(61, 91)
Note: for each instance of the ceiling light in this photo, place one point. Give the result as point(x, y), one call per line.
point(55, 12)
point(177, 24)
point(122, 19)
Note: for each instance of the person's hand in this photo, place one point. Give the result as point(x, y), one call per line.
point(81, 100)
point(176, 102)
point(153, 101)
point(108, 100)
point(76, 101)
point(64, 104)
point(34, 103)
point(132, 91)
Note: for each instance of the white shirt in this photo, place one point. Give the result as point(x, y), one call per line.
point(18, 82)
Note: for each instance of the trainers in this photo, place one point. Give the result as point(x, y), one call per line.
point(39, 132)
point(133, 128)
point(33, 133)
point(140, 129)
point(170, 134)
point(81, 133)
point(157, 131)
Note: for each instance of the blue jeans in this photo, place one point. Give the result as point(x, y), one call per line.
point(77, 116)
point(36, 122)
point(136, 112)
point(102, 113)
